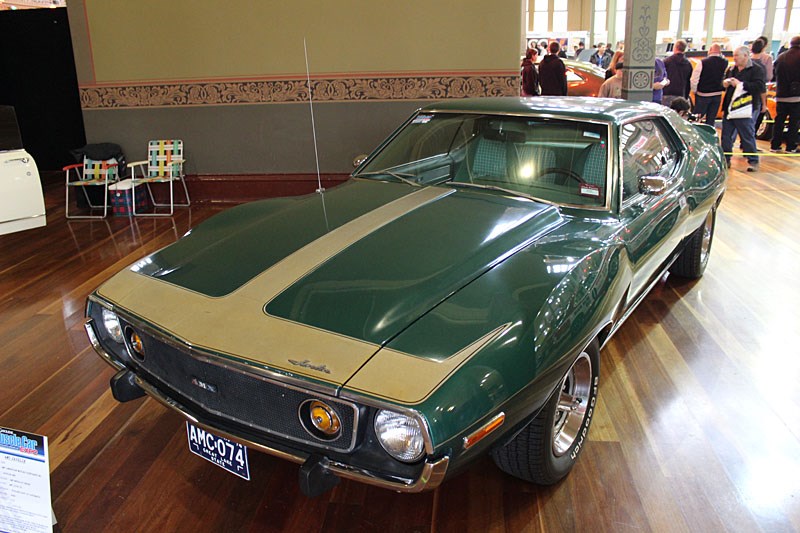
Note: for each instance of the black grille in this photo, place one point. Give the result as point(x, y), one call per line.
point(237, 396)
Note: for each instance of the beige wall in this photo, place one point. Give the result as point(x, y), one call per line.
point(204, 39)
point(213, 73)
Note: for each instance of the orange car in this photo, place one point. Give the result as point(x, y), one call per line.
point(583, 79)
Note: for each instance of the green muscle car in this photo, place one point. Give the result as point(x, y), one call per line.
point(449, 300)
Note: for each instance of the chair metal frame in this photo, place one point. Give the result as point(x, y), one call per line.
point(156, 166)
point(80, 172)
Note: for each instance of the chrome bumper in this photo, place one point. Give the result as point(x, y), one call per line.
point(433, 471)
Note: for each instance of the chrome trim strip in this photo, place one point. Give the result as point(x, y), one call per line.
point(89, 327)
point(40, 215)
point(387, 406)
point(433, 471)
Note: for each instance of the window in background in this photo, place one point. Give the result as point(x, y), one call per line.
point(600, 14)
point(540, 16)
point(758, 11)
point(794, 21)
point(560, 17)
point(674, 15)
point(780, 18)
point(697, 18)
point(719, 18)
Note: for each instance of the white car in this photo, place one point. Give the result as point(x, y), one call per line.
point(21, 199)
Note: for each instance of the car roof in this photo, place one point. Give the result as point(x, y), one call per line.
point(588, 108)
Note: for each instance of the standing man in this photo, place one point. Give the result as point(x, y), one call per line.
point(746, 73)
point(679, 72)
point(612, 87)
point(601, 57)
point(787, 97)
point(706, 83)
point(553, 73)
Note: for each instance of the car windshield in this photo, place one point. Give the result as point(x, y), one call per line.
point(559, 161)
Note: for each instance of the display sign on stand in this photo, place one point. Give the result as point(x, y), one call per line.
point(24, 482)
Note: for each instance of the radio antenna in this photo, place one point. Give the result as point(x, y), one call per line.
point(313, 126)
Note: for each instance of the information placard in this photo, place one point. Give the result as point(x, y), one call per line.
point(24, 482)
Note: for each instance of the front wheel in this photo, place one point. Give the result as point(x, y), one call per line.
point(546, 450)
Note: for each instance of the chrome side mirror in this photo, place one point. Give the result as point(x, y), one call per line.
point(359, 159)
point(652, 185)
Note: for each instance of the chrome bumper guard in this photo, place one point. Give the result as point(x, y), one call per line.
point(433, 471)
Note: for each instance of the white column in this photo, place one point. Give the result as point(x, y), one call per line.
point(769, 21)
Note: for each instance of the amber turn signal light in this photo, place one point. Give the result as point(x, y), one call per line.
point(320, 420)
point(477, 436)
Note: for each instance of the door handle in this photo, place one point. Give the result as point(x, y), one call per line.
point(23, 159)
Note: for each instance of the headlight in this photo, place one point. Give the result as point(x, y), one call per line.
point(400, 435)
point(111, 323)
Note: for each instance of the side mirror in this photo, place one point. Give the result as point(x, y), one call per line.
point(652, 185)
point(359, 159)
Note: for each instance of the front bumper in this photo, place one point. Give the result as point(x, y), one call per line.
point(431, 475)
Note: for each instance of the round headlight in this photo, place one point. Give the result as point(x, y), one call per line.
point(400, 435)
point(111, 323)
point(320, 419)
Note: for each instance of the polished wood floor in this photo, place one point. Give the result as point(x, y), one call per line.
point(698, 425)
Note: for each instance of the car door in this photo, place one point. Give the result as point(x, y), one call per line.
point(652, 223)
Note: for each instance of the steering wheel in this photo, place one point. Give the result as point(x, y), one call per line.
point(569, 173)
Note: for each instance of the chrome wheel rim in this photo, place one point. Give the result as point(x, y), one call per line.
point(762, 128)
point(708, 230)
point(572, 404)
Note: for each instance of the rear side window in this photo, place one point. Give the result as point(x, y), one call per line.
point(646, 151)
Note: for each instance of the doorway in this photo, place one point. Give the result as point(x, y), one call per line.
point(37, 77)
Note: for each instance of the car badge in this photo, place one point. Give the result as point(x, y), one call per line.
point(308, 364)
point(210, 387)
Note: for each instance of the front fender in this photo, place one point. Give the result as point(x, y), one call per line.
point(542, 308)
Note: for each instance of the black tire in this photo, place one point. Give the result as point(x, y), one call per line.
point(546, 450)
point(764, 131)
point(693, 260)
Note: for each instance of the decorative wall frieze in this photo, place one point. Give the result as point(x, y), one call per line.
point(179, 94)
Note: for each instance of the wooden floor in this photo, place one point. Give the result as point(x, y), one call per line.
point(698, 425)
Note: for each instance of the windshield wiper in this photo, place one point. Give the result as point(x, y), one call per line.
point(402, 176)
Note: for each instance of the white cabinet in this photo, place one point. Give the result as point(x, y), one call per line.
point(21, 199)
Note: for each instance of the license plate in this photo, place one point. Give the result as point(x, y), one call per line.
point(224, 453)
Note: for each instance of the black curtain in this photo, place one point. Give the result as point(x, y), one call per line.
point(37, 77)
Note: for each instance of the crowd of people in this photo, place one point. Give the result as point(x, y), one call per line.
point(740, 87)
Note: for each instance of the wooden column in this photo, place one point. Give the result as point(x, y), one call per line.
point(640, 45)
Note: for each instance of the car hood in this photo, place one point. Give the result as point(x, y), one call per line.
point(316, 285)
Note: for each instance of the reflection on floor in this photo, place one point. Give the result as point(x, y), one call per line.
point(697, 429)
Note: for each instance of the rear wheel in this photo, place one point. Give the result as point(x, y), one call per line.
point(546, 450)
point(694, 258)
point(764, 131)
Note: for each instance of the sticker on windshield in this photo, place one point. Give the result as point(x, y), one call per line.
point(593, 191)
point(422, 119)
